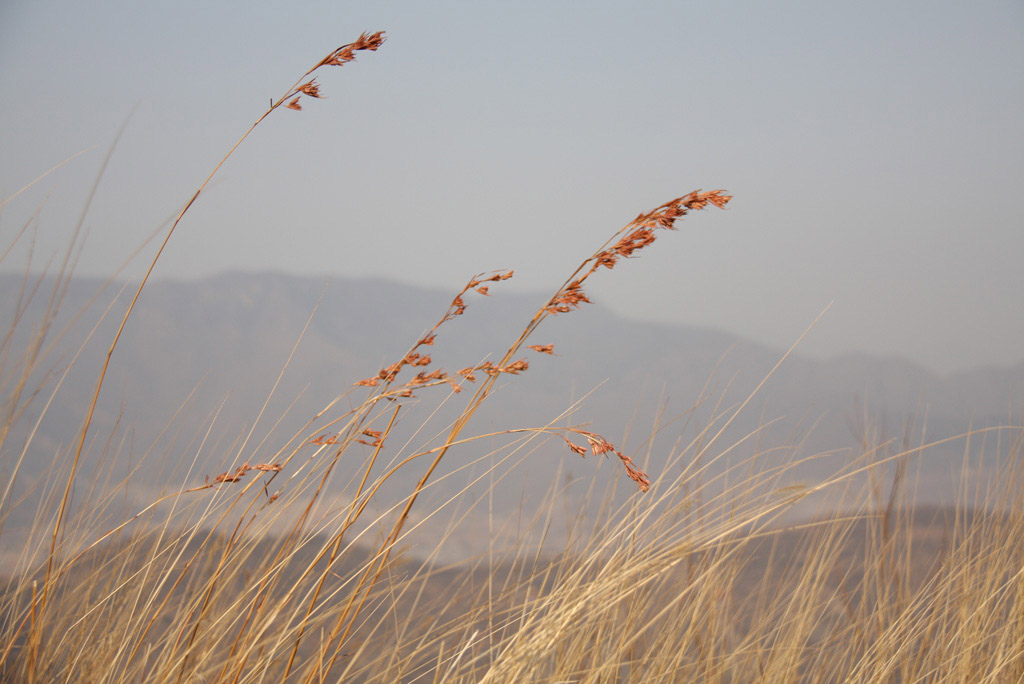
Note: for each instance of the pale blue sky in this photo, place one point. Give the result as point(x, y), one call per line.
point(875, 151)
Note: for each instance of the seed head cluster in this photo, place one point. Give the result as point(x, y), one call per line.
point(339, 57)
point(636, 235)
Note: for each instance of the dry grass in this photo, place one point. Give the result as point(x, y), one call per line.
point(265, 573)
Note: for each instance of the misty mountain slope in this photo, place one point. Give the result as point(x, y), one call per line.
point(217, 346)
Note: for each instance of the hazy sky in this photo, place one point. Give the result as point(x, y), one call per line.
point(875, 151)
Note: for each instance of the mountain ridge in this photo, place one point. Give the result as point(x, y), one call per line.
point(230, 336)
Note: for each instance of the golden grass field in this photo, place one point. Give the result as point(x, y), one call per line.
point(261, 574)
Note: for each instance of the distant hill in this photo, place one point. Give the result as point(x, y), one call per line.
point(216, 347)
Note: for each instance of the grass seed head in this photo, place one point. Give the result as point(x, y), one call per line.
point(542, 348)
point(347, 53)
point(312, 89)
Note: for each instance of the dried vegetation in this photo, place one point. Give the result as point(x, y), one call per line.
point(264, 573)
